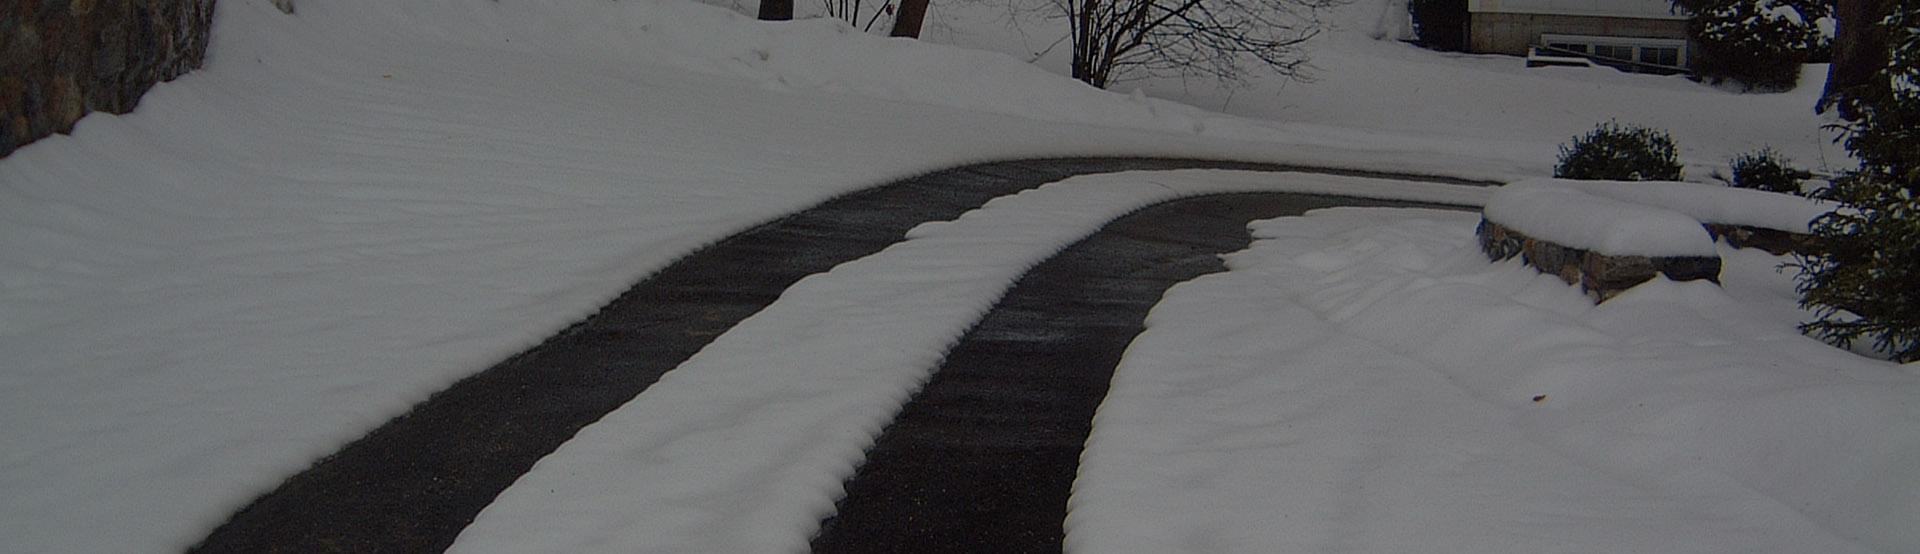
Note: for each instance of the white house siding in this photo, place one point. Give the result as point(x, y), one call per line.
point(1516, 33)
point(1636, 9)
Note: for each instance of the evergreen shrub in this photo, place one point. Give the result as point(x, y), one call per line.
point(1764, 170)
point(1758, 45)
point(1613, 152)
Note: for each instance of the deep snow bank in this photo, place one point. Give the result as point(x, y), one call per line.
point(1362, 380)
point(1573, 217)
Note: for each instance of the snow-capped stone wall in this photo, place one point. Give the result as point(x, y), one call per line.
point(60, 59)
point(1601, 275)
point(1774, 241)
point(1608, 237)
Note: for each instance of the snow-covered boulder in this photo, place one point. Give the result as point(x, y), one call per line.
point(1706, 203)
point(1608, 236)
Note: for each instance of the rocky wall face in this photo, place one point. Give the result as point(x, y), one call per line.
point(1778, 243)
point(1601, 276)
point(60, 59)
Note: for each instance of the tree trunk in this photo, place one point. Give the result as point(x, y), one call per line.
point(1441, 24)
point(1086, 42)
point(907, 22)
point(1859, 50)
point(776, 10)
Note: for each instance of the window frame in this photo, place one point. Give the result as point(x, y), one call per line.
point(1637, 48)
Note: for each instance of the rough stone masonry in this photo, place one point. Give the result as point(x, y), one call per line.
point(1601, 276)
point(60, 59)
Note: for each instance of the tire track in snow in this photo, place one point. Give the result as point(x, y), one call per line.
point(412, 484)
point(983, 458)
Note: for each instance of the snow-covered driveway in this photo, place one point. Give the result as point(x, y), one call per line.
point(1283, 406)
point(1264, 407)
point(356, 205)
point(776, 414)
point(419, 479)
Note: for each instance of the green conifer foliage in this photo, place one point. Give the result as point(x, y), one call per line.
point(1862, 276)
point(1613, 152)
point(1765, 170)
point(1756, 44)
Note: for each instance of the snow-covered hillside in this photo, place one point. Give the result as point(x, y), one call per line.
point(350, 207)
point(1369, 91)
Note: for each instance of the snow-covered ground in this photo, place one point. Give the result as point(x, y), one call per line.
point(1643, 218)
point(1361, 382)
point(743, 448)
point(351, 207)
point(1369, 91)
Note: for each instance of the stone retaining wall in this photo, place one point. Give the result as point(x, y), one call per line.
point(60, 59)
point(1778, 243)
point(1601, 276)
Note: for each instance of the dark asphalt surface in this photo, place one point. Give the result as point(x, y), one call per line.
point(982, 459)
point(412, 484)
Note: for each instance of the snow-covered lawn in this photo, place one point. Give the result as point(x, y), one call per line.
point(1371, 92)
point(1363, 381)
point(351, 207)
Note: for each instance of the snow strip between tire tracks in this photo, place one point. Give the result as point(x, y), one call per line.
point(743, 447)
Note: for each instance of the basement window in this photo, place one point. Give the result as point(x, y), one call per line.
point(1568, 47)
point(1657, 55)
point(1639, 55)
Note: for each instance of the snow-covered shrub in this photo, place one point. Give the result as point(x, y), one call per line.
point(1764, 170)
point(1863, 276)
point(1757, 44)
point(1613, 152)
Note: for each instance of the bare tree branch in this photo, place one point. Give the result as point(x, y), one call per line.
point(1217, 38)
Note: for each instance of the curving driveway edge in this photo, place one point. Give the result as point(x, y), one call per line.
point(412, 484)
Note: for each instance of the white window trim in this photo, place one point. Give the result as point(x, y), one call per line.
point(1633, 42)
point(1629, 9)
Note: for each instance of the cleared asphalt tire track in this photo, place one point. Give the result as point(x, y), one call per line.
point(983, 457)
point(412, 484)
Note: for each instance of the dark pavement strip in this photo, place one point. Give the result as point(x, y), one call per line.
point(982, 459)
point(412, 484)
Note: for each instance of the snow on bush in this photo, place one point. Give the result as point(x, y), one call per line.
point(1765, 170)
point(1758, 44)
point(1618, 152)
point(1863, 277)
